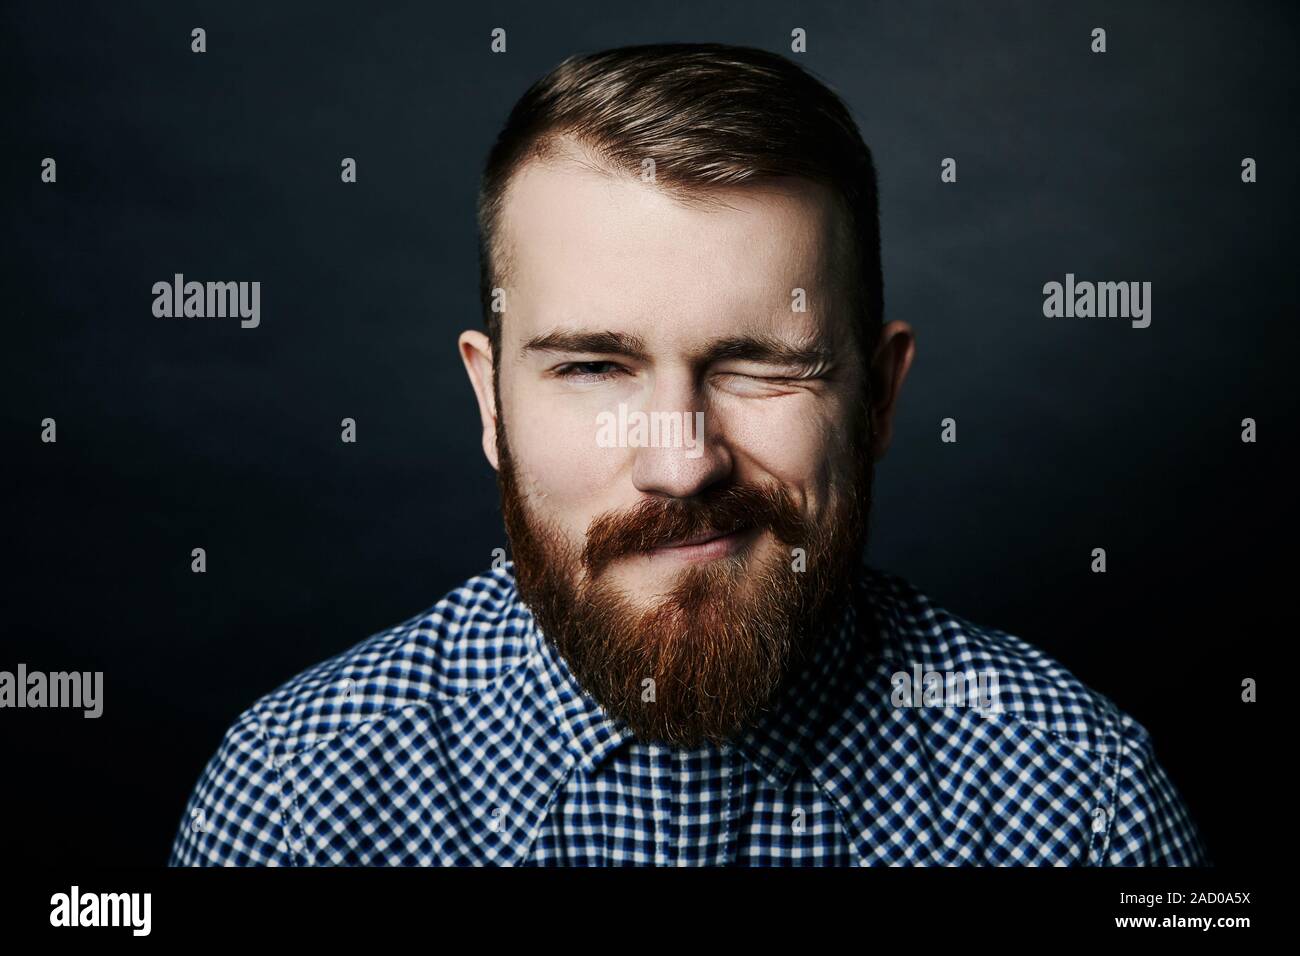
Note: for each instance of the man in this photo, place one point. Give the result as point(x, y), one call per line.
point(684, 384)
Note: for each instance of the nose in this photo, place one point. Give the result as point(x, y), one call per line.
point(688, 455)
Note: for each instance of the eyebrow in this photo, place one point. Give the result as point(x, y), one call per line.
point(745, 348)
point(604, 343)
point(765, 349)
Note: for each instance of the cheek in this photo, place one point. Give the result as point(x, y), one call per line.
point(559, 463)
point(798, 443)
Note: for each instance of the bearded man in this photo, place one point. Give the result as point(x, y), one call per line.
point(687, 661)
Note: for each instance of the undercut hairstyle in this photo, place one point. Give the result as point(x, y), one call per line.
point(709, 115)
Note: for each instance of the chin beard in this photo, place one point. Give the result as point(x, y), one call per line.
point(728, 633)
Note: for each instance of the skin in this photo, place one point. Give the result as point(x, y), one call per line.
point(594, 251)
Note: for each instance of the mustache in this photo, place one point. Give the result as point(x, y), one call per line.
point(655, 522)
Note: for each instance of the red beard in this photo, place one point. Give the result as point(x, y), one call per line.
point(719, 645)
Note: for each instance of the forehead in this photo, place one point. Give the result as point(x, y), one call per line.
point(589, 247)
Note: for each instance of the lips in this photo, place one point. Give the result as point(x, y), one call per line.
point(704, 537)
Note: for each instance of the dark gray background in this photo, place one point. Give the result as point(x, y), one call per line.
point(175, 434)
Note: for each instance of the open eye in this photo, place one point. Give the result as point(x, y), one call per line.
point(587, 371)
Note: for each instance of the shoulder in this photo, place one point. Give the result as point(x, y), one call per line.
point(465, 643)
point(343, 717)
point(1050, 742)
point(1032, 687)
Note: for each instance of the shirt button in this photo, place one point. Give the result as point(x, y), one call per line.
point(1098, 820)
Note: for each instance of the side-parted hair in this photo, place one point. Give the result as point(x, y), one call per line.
point(709, 115)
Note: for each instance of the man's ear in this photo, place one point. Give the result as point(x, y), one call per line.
point(476, 353)
point(895, 350)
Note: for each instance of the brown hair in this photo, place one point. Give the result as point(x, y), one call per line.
point(709, 115)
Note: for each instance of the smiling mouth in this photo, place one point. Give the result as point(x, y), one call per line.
point(705, 546)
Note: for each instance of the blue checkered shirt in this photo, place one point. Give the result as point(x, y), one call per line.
point(461, 737)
